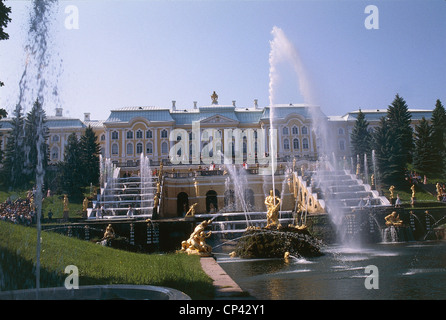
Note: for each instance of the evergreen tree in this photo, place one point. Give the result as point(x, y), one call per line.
point(401, 134)
point(360, 136)
point(438, 138)
point(89, 157)
point(71, 168)
point(423, 160)
point(4, 20)
point(381, 143)
point(35, 125)
point(13, 164)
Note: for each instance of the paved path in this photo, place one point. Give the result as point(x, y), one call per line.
point(225, 287)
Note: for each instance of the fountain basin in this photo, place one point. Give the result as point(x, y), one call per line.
point(100, 292)
point(274, 243)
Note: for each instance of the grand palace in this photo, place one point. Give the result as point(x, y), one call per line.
point(130, 132)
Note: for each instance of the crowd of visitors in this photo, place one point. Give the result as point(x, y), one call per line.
point(19, 211)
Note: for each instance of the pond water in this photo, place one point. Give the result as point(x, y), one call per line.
point(409, 270)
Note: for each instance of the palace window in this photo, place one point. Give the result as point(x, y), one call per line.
point(296, 144)
point(305, 143)
point(285, 130)
point(164, 133)
point(129, 148)
point(148, 134)
point(129, 134)
point(139, 147)
point(295, 130)
point(115, 149)
point(55, 138)
point(139, 134)
point(342, 144)
point(115, 135)
point(341, 131)
point(286, 144)
point(102, 137)
point(164, 148)
point(149, 147)
point(304, 130)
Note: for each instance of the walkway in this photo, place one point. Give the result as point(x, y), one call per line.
point(225, 287)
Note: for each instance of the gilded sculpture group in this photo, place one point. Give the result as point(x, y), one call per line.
point(196, 244)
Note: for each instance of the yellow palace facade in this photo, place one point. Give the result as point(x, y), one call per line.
point(210, 137)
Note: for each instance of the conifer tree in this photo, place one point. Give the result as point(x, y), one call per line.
point(35, 125)
point(13, 164)
point(381, 143)
point(360, 136)
point(71, 169)
point(401, 135)
point(424, 160)
point(438, 138)
point(89, 157)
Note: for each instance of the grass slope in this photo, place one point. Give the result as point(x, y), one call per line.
point(96, 264)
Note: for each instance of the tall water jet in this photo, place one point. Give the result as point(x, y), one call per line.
point(366, 169)
point(146, 186)
point(38, 83)
point(282, 50)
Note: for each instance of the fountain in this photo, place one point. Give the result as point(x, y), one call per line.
point(275, 240)
point(39, 83)
point(119, 194)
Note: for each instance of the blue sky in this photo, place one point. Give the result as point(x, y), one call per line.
point(148, 53)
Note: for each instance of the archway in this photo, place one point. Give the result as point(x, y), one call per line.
point(211, 201)
point(182, 204)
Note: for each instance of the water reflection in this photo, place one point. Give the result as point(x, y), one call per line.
point(411, 270)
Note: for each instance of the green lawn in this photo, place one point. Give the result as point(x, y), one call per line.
point(96, 264)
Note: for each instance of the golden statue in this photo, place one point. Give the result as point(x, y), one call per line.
point(439, 191)
point(66, 209)
point(109, 233)
point(85, 204)
point(65, 203)
point(393, 219)
point(156, 200)
point(196, 244)
point(272, 203)
point(160, 173)
point(191, 211)
point(358, 169)
point(391, 189)
point(413, 190)
point(214, 98)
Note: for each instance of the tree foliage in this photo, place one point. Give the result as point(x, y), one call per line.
point(13, 163)
point(438, 138)
point(424, 161)
point(4, 20)
point(35, 126)
point(89, 157)
point(401, 143)
point(80, 167)
point(360, 136)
